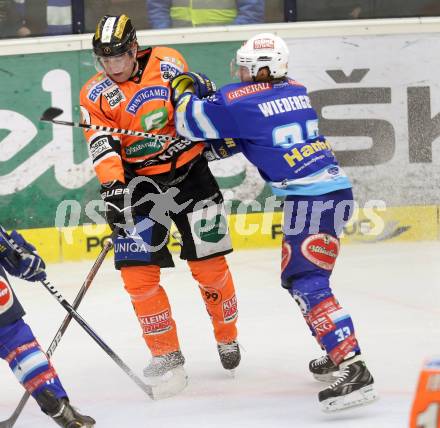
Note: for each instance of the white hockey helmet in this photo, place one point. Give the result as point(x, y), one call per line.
point(264, 50)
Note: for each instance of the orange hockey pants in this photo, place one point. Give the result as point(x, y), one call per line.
point(153, 309)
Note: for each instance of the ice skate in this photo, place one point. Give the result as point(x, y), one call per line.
point(62, 412)
point(354, 387)
point(166, 374)
point(229, 355)
point(324, 369)
point(161, 364)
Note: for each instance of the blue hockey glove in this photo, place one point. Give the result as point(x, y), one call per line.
point(20, 258)
point(196, 83)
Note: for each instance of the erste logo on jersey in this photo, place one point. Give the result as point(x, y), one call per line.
point(99, 87)
point(144, 95)
point(170, 67)
point(264, 44)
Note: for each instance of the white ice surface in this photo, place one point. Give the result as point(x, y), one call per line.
point(391, 291)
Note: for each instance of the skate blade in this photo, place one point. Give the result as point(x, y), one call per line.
point(361, 397)
point(168, 385)
point(327, 378)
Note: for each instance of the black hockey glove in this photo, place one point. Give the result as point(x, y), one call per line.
point(118, 204)
point(196, 83)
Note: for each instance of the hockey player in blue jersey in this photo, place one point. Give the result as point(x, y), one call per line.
point(18, 345)
point(268, 117)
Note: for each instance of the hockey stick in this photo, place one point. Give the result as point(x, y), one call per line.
point(165, 389)
point(80, 320)
point(52, 113)
point(9, 423)
point(21, 252)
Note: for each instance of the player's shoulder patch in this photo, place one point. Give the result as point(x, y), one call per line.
point(170, 67)
point(97, 86)
point(171, 62)
point(237, 92)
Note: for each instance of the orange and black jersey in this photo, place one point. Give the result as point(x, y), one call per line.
point(141, 104)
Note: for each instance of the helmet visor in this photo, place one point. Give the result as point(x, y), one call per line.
point(239, 72)
point(233, 69)
point(116, 63)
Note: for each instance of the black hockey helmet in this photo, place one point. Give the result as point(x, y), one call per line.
point(114, 35)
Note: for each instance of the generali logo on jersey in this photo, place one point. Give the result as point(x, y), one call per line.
point(264, 44)
point(247, 90)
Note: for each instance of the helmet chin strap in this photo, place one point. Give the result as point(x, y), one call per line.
point(135, 68)
point(135, 65)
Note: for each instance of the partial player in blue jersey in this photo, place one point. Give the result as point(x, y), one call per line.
point(269, 118)
point(18, 345)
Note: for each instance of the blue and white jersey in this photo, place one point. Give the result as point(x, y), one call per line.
point(275, 127)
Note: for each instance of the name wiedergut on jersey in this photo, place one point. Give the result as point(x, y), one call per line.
point(285, 104)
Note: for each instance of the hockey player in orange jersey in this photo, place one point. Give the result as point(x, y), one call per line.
point(132, 91)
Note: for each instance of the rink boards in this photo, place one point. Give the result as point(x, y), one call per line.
point(252, 231)
point(378, 108)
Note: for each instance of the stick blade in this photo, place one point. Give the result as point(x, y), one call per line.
point(50, 114)
point(170, 384)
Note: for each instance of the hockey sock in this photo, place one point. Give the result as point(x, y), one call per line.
point(152, 308)
point(334, 329)
point(330, 324)
point(27, 361)
point(218, 292)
